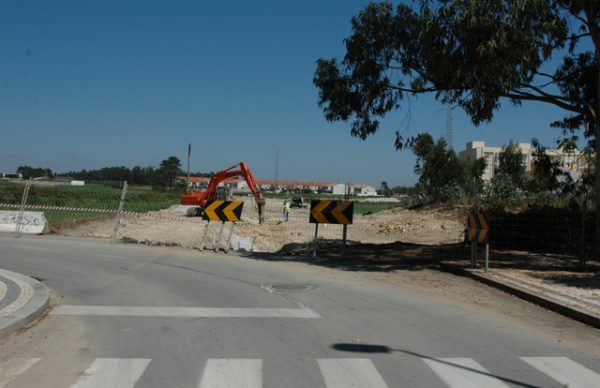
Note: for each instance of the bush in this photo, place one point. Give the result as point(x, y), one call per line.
point(502, 192)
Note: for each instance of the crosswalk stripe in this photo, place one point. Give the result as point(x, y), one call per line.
point(112, 373)
point(565, 371)
point(462, 372)
point(187, 312)
point(13, 367)
point(350, 372)
point(232, 373)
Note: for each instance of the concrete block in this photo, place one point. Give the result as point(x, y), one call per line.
point(31, 223)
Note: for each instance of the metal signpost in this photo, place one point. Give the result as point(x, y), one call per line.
point(220, 210)
point(478, 227)
point(331, 212)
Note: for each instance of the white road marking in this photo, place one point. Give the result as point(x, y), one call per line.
point(461, 372)
point(112, 373)
point(13, 367)
point(350, 372)
point(186, 312)
point(232, 373)
point(565, 371)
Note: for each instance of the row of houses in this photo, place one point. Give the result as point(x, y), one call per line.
point(240, 185)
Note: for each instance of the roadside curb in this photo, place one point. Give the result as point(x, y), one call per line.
point(33, 305)
point(542, 301)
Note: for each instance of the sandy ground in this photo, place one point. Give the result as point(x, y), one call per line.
point(172, 227)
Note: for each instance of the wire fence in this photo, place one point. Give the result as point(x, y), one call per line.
point(382, 228)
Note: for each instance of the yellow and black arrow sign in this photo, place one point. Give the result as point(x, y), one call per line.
point(220, 210)
point(478, 227)
point(331, 212)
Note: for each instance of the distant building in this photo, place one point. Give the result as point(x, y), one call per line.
point(354, 189)
point(10, 175)
point(570, 161)
point(239, 184)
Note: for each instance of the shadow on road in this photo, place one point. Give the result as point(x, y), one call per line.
point(364, 257)
point(414, 257)
point(370, 349)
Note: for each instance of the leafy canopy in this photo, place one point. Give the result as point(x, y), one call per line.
point(470, 53)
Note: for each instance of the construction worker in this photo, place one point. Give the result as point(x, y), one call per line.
point(286, 210)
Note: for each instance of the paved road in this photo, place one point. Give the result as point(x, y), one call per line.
point(128, 316)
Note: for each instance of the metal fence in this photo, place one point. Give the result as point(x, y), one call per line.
point(381, 228)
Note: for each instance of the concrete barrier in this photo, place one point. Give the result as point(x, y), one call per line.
point(30, 223)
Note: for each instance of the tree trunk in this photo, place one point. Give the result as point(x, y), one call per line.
point(596, 249)
point(597, 194)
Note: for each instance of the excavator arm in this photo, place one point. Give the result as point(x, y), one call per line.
point(240, 169)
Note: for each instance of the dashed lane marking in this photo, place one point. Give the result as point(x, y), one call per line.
point(463, 372)
point(232, 373)
point(565, 371)
point(113, 373)
point(351, 372)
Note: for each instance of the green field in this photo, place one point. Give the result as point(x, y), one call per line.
point(90, 196)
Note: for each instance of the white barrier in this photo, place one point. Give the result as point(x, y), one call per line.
point(30, 223)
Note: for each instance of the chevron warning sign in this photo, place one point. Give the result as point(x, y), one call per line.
point(220, 210)
point(331, 212)
point(478, 227)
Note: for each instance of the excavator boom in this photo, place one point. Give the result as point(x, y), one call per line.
point(202, 198)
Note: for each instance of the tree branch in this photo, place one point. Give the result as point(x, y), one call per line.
point(577, 37)
point(414, 91)
point(519, 95)
point(553, 78)
point(548, 95)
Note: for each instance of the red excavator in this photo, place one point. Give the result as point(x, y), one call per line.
point(201, 198)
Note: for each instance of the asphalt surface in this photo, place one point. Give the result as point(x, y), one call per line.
point(125, 315)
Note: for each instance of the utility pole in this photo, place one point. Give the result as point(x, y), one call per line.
point(277, 167)
point(188, 186)
point(449, 127)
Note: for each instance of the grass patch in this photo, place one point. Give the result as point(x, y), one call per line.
point(55, 217)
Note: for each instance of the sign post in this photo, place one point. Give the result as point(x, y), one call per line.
point(331, 212)
point(478, 228)
point(220, 210)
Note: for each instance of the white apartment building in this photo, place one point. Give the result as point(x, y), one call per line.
point(571, 161)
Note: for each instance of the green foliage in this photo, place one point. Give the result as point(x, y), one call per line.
point(546, 175)
point(168, 171)
point(468, 53)
point(384, 189)
point(511, 164)
point(502, 192)
point(443, 176)
point(371, 208)
point(11, 193)
point(30, 172)
point(405, 190)
point(474, 170)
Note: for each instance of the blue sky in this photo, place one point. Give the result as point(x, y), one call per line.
point(90, 84)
